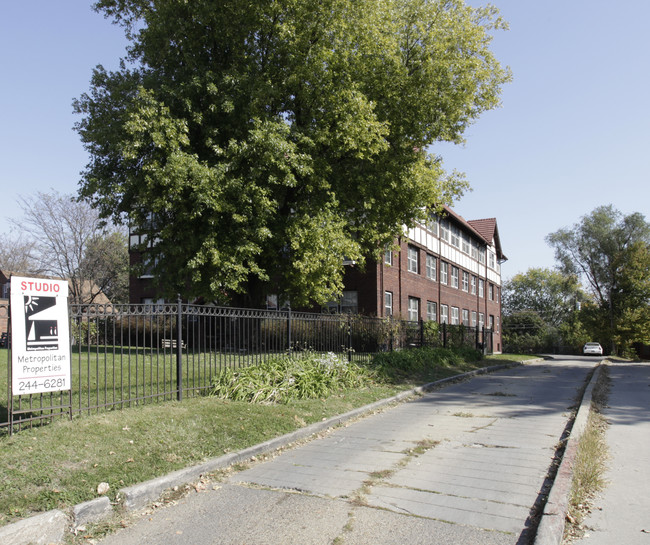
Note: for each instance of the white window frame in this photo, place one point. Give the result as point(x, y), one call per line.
point(473, 285)
point(444, 267)
point(432, 311)
point(481, 287)
point(413, 309)
point(388, 303)
point(444, 230)
point(473, 323)
point(465, 281)
point(412, 258)
point(444, 314)
point(454, 276)
point(431, 267)
point(465, 243)
point(455, 236)
point(455, 316)
point(465, 317)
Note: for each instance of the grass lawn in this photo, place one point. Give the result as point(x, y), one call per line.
point(60, 464)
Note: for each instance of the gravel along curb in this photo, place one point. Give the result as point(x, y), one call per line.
point(551, 527)
point(50, 527)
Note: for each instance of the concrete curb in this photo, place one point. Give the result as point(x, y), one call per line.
point(50, 527)
point(551, 527)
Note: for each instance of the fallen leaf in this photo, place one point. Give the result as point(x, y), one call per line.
point(102, 488)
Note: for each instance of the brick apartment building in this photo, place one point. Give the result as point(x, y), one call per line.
point(448, 270)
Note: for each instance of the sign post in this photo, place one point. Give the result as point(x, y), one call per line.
point(40, 336)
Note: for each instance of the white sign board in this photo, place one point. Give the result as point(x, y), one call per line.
point(40, 336)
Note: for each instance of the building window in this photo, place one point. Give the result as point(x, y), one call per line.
point(431, 267)
point(444, 230)
point(414, 309)
point(388, 257)
point(481, 287)
point(444, 314)
point(473, 285)
point(350, 302)
point(491, 322)
point(465, 242)
point(497, 324)
point(388, 303)
point(443, 272)
point(454, 316)
point(473, 318)
point(432, 311)
point(432, 224)
point(465, 317)
point(481, 255)
point(413, 259)
point(481, 320)
point(465, 281)
point(491, 292)
point(455, 236)
point(492, 264)
point(454, 277)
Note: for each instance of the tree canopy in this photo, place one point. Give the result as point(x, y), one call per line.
point(260, 143)
point(612, 252)
point(549, 293)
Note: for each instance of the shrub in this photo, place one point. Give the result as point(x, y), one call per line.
point(391, 365)
point(284, 378)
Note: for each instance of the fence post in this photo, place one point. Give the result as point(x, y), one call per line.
point(444, 334)
point(421, 324)
point(349, 320)
point(289, 327)
point(179, 347)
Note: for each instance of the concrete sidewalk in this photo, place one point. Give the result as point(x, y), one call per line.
point(622, 513)
point(464, 464)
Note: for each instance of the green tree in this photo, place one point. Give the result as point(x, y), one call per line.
point(552, 294)
point(612, 252)
point(260, 143)
point(524, 331)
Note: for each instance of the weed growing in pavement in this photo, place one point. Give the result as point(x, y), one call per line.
point(591, 461)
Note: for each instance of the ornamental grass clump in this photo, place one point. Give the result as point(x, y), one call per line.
point(282, 379)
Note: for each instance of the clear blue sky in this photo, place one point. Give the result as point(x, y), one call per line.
point(573, 132)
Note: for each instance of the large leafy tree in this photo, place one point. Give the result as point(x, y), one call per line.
point(260, 143)
point(612, 252)
point(551, 294)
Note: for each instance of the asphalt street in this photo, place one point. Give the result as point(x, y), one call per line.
point(463, 464)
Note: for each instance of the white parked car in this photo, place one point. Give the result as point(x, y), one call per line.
point(592, 348)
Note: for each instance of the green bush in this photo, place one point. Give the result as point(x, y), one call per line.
point(282, 379)
point(418, 360)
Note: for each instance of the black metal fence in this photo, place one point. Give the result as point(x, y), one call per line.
point(125, 355)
